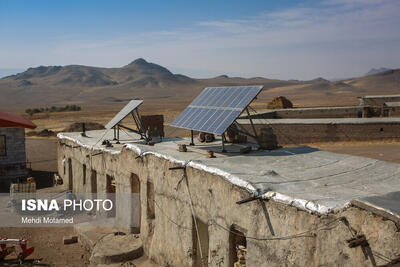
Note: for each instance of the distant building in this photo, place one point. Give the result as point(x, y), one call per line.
point(377, 100)
point(13, 165)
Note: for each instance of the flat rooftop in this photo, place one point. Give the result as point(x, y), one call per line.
point(379, 96)
point(305, 177)
point(323, 121)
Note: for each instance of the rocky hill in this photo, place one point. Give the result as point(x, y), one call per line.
point(84, 85)
point(60, 85)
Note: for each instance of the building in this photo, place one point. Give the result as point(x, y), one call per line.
point(377, 100)
point(375, 119)
point(288, 207)
point(306, 131)
point(13, 165)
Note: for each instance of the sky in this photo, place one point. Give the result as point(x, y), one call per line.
point(290, 39)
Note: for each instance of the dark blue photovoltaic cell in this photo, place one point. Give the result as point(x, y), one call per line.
point(199, 115)
point(228, 121)
point(216, 108)
point(217, 120)
point(200, 124)
point(183, 115)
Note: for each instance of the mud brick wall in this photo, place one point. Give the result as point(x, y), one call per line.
point(310, 133)
point(350, 112)
point(324, 112)
point(308, 113)
point(214, 202)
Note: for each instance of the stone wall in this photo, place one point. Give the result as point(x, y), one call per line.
point(168, 233)
point(328, 112)
point(13, 164)
point(309, 113)
point(303, 133)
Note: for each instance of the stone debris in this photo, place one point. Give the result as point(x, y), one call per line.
point(182, 148)
point(210, 154)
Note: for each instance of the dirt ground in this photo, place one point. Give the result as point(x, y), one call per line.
point(49, 247)
point(42, 153)
point(50, 250)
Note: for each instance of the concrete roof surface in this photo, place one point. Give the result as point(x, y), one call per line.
point(379, 96)
point(315, 180)
point(322, 121)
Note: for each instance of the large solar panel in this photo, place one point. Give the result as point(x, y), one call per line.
point(131, 106)
point(216, 108)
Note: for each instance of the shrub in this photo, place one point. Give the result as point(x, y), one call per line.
point(31, 111)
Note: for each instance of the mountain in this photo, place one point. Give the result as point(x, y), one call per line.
point(321, 92)
point(95, 86)
point(318, 80)
point(375, 71)
point(85, 85)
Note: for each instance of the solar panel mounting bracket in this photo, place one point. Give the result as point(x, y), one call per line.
point(138, 122)
point(130, 109)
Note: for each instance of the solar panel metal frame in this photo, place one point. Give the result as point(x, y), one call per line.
point(218, 105)
point(125, 111)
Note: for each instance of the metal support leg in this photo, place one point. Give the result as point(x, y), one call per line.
point(192, 141)
point(223, 143)
point(115, 133)
point(140, 125)
point(252, 124)
point(118, 135)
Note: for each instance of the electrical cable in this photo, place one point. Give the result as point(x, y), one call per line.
point(311, 232)
point(299, 235)
point(169, 219)
point(193, 215)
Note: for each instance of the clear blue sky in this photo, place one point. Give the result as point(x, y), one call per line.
point(275, 39)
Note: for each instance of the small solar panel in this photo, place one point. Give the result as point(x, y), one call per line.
point(131, 106)
point(216, 108)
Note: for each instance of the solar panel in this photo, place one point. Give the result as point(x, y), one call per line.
point(131, 106)
point(216, 108)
